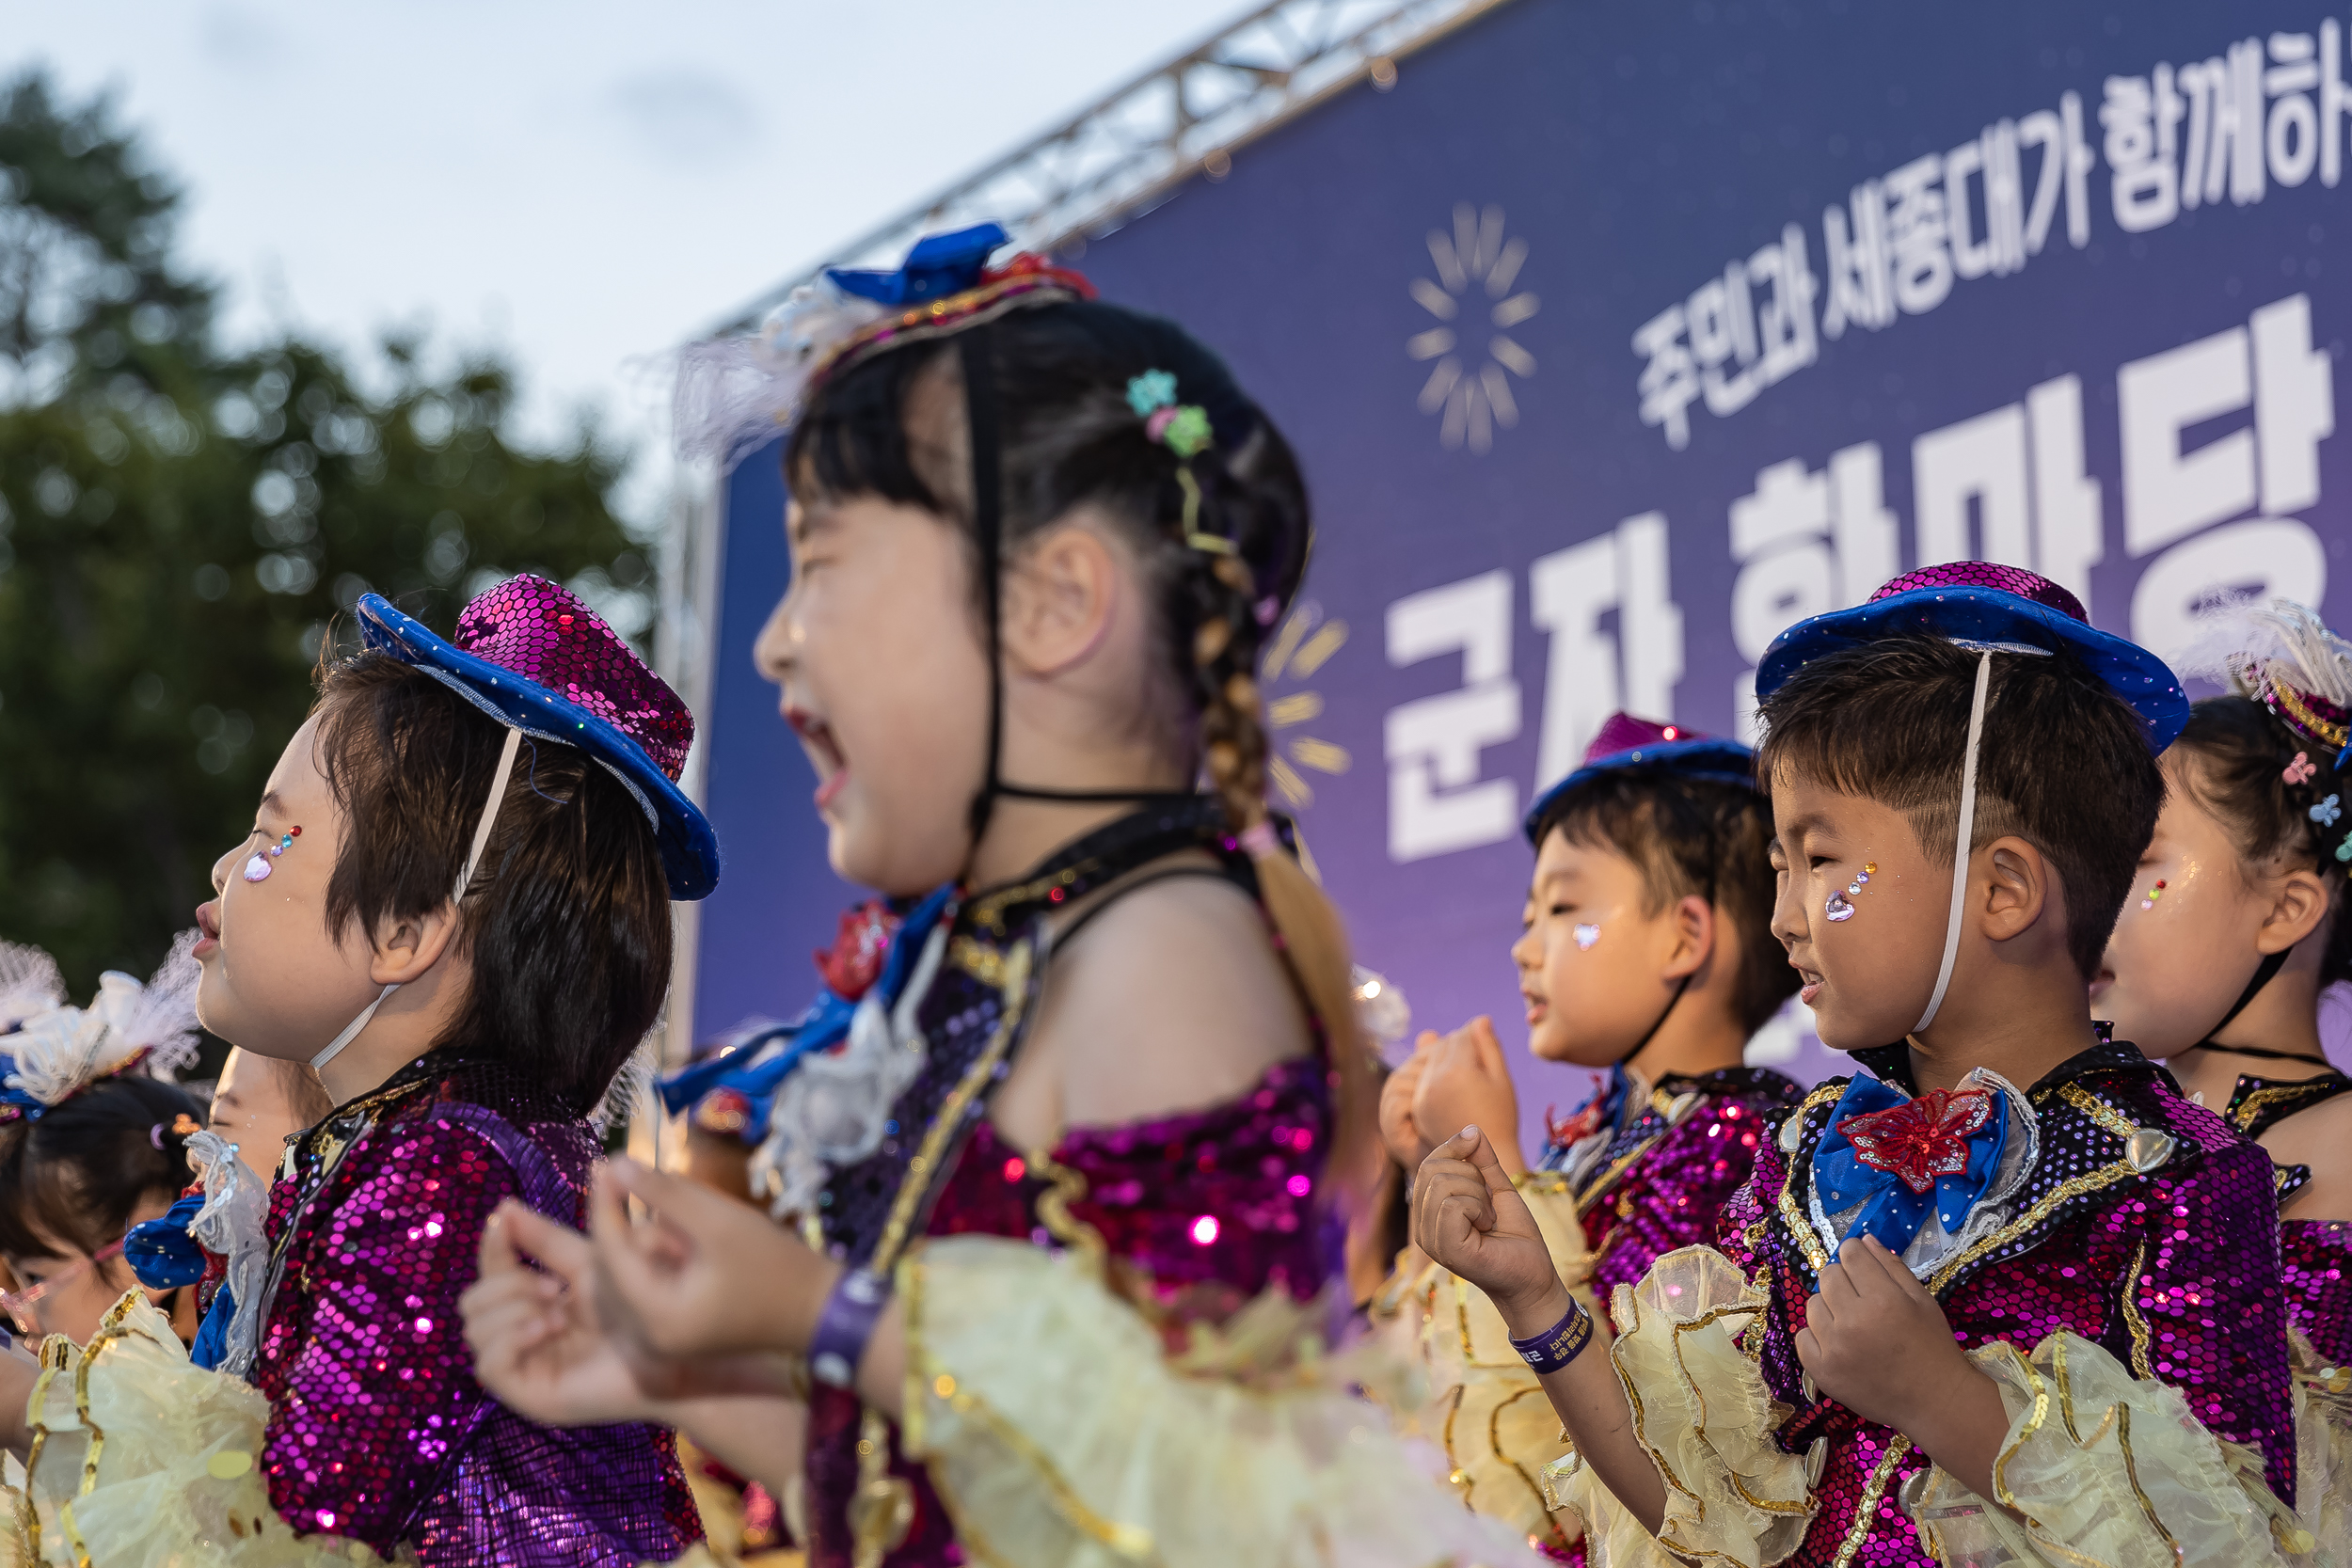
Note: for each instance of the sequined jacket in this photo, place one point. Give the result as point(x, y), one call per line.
point(377, 1431)
point(1199, 1213)
point(2316, 1255)
point(1658, 1174)
point(2130, 1230)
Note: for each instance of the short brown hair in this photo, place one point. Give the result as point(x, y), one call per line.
point(76, 1175)
point(568, 920)
point(1690, 836)
point(2063, 763)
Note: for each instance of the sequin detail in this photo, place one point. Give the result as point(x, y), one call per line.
point(377, 1430)
point(2158, 1268)
point(1987, 573)
point(2314, 1255)
point(1654, 1174)
point(545, 632)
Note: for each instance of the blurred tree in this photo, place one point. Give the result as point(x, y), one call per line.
point(181, 526)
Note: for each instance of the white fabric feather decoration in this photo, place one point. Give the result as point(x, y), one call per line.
point(29, 984)
point(233, 1223)
point(736, 394)
point(66, 1048)
point(2235, 642)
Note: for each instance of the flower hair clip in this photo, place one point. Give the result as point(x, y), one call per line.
point(2299, 770)
point(1184, 429)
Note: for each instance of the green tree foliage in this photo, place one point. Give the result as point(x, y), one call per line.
point(183, 527)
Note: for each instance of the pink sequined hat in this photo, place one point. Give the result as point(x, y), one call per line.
point(1982, 605)
point(1625, 741)
point(532, 656)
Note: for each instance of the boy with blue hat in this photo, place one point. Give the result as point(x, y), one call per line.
point(2001, 1295)
point(1646, 954)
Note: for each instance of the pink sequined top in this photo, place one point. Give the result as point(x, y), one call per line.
point(2316, 1255)
point(1658, 1174)
point(377, 1431)
point(2158, 1267)
point(1208, 1208)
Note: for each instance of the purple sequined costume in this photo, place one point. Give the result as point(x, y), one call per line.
point(1205, 1209)
point(377, 1431)
point(2159, 1267)
point(1655, 1171)
point(2315, 1255)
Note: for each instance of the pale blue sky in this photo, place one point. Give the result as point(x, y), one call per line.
point(581, 183)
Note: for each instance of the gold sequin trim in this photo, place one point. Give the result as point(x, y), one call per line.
point(1867, 1508)
point(984, 963)
point(2098, 1110)
point(2137, 1324)
point(2051, 1203)
point(2131, 1473)
point(2249, 1109)
point(1800, 1228)
point(2328, 731)
point(1064, 1187)
point(1494, 1442)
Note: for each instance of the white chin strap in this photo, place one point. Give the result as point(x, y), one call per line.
point(481, 842)
point(1968, 832)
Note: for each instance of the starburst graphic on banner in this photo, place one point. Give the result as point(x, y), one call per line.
point(1304, 645)
point(1472, 397)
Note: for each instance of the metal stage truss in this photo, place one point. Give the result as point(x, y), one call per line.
point(1122, 154)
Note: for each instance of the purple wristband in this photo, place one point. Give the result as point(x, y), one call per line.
point(845, 1325)
point(1560, 1344)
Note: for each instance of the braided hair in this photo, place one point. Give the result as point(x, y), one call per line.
point(1069, 438)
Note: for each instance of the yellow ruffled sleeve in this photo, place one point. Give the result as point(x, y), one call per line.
point(2322, 1447)
point(1732, 1495)
point(141, 1459)
point(2109, 1471)
point(1484, 1407)
point(1060, 1433)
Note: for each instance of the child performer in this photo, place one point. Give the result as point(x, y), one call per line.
point(2007, 1305)
point(2235, 928)
point(1062, 1155)
point(455, 904)
point(93, 1138)
point(1648, 950)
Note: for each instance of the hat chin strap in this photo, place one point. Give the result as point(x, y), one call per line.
point(1959, 848)
point(465, 880)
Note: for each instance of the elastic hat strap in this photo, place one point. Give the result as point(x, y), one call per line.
point(465, 880)
point(1959, 848)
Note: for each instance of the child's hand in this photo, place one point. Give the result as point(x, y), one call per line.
point(1398, 1131)
point(703, 1275)
point(536, 1343)
point(1469, 1217)
point(1876, 1341)
point(1465, 1083)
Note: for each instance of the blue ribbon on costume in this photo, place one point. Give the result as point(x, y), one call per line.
point(938, 265)
point(15, 1103)
point(758, 1067)
point(1892, 1210)
point(160, 1251)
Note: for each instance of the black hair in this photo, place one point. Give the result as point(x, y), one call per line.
point(2063, 763)
point(76, 1175)
point(1690, 836)
point(567, 923)
point(2232, 758)
point(1069, 438)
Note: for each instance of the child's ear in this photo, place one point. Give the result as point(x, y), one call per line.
point(405, 946)
point(2295, 913)
point(1059, 601)
point(1695, 931)
point(2024, 886)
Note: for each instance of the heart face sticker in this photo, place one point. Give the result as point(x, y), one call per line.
point(256, 868)
point(1586, 935)
point(1838, 909)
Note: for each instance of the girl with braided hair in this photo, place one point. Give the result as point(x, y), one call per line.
point(1065, 1148)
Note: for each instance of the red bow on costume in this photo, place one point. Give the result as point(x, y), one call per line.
point(1920, 1139)
point(858, 949)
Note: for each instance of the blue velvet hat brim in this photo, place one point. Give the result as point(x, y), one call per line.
point(1988, 617)
point(1723, 761)
point(690, 850)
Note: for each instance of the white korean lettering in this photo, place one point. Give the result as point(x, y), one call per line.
point(1670, 382)
point(2290, 140)
point(1916, 227)
point(2143, 117)
point(1722, 318)
point(1590, 674)
point(1855, 260)
point(1437, 803)
point(1784, 318)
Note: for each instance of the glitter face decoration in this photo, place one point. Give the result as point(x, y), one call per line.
point(1841, 906)
point(1585, 935)
point(257, 868)
point(2154, 893)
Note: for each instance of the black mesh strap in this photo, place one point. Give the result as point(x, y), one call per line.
point(2271, 964)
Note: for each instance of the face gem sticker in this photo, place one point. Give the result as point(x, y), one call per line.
point(256, 868)
point(1586, 935)
point(1838, 907)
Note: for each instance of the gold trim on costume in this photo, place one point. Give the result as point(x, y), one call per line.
point(1867, 1510)
point(2132, 1320)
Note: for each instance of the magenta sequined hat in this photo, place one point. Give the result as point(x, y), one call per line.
point(1984, 605)
point(1625, 742)
point(532, 656)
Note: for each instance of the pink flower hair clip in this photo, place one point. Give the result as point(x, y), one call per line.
point(2299, 770)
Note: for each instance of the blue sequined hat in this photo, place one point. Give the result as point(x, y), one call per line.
point(1625, 741)
point(1980, 605)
